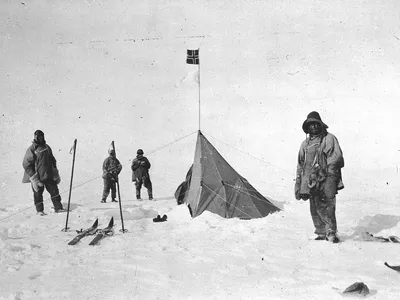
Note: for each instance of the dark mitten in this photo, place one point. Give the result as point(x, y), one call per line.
point(297, 190)
point(36, 183)
point(56, 176)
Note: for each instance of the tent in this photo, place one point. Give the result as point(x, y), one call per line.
point(212, 184)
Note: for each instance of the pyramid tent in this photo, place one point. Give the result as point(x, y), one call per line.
point(212, 184)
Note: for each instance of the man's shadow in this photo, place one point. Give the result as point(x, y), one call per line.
point(373, 224)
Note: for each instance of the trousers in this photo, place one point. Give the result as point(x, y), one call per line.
point(323, 207)
point(109, 184)
point(147, 184)
point(52, 188)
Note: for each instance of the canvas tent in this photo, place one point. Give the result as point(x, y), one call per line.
point(212, 184)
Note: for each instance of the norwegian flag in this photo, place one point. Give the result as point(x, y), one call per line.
point(193, 57)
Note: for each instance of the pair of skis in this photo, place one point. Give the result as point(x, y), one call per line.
point(100, 233)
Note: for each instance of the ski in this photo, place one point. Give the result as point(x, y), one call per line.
point(101, 233)
point(396, 268)
point(85, 232)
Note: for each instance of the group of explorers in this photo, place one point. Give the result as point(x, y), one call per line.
point(140, 175)
point(40, 169)
point(318, 175)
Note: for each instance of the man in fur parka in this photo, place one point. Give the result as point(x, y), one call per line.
point(111, 169)
point(318, 175)
point(140, 174)
point(41, 171)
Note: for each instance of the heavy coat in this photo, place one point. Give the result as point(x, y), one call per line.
point(329, 161)
point(111, 167)
point(140, 168)
point(39, 159)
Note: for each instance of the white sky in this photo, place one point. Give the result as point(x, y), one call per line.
point(100, 71)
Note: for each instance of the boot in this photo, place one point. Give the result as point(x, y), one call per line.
point(332, 237)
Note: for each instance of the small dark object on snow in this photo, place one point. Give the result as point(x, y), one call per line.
point(160, 219)
point(394, 239)
point(396, 268)
point(370, 237)
point(357, 288)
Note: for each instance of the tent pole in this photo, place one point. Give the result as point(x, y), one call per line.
point(123, 230)
point(70, 186)
point(199, 89)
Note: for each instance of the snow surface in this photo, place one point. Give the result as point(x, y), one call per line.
point(102, 71)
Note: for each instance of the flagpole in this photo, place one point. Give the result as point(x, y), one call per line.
point(123, 230)
point(199, 91)
point(70, 187)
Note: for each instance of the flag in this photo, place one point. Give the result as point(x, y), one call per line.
point(111, 147)
point(193, 57)
point(72, 148)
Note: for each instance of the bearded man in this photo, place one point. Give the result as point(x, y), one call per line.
point(111, 169)
point(318, 176)
point(140, 174)
point(41, 171)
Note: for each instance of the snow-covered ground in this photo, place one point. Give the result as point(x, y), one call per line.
point(103, 71)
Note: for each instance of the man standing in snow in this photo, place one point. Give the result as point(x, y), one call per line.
point(41, 171)
point(318, 175)
point(111, 170)
point(140, 168)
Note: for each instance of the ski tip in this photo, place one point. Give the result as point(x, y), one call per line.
point(389, 266)
point(92, 243)
point(96, 222)
point(111, 222)
point(396, 268)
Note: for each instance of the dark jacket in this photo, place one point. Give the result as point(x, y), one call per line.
point(140, 168)
point(111, 167)
point(40, 159)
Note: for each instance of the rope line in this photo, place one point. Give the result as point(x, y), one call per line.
point(251, 190)
point(30, 206)
point(219, 178)
point(226, 201)
point(248, 154)
point(97, 177)
point(244, 191)
point(261, 160)
point(162, 147)
point(20, 211)
point(241, 191)
point(177, 140)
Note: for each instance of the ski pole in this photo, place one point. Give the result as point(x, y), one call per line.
point(123, 230)
point(70, 186)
